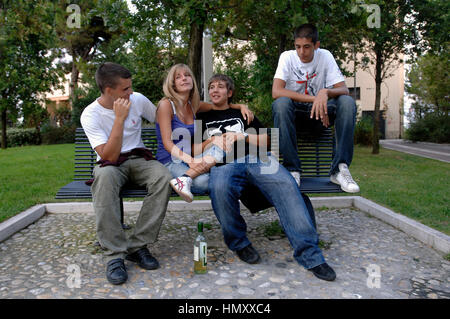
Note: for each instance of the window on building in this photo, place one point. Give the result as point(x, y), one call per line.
point(356, 94)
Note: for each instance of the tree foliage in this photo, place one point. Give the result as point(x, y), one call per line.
point(99, 32)
point(248, 38)
point(384, 47)
point(178, 27)
point(27, 50)
point(431, 20)
point(429, 83)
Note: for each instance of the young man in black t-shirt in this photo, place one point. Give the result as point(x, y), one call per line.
point(247, 164)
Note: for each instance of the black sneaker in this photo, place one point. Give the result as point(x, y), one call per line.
point(144, 259)
point(248, 254)
point(324, 272)
point(116, 273)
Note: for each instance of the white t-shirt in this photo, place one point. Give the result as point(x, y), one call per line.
point(98, 121)
point(308, 78)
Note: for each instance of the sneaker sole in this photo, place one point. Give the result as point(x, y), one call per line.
point(256, 260)
point(186, 197)
point(116, 282)
point(349, 191)
point(251, 262)
point(326, 278)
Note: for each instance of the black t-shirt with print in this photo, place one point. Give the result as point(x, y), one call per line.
point(218, 122)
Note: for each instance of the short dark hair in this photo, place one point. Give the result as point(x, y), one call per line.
point(108, 73)
point(308, 31)
point(228, 82)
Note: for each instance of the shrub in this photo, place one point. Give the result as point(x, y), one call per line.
point(83, 100)
point(22, 136)
point(58, 135)
point(431, 128)
point(261, 105)
point(364, 131)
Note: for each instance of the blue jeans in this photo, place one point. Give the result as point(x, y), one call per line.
point(341, 112)
point(226, 184)
point(200, 184)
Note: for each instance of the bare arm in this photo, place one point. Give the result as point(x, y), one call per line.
point(164, 115)
point(279, 90)
point(245, 111)
point(200, 147)
point(110, 151)
point(254, 139)
point(338, 90)
point(319, 108)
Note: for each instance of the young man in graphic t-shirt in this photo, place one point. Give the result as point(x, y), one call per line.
point(309, 84)
point(251, 167)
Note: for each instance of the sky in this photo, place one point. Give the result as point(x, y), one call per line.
point(131, 6)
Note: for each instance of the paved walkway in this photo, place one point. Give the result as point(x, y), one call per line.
point(56, 258)
point(440, 152)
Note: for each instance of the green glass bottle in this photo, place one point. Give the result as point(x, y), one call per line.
point(200, 251)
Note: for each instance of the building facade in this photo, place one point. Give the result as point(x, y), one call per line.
point(392, 97)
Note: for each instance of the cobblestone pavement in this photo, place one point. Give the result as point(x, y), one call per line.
point(56, 258)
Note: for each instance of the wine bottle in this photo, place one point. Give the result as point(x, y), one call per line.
point(200, 251)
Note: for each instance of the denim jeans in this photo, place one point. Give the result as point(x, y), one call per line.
point(341, 112)
point(226, 184)
point(200, 184)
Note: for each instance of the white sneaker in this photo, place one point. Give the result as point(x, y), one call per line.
point(182, 185)
point(296, 176)
point(344, 178)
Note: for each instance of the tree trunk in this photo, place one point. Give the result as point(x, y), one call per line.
point(195, 51)
point(282, 44)
point(376, 113)
point(73, 81)
point(4, 141)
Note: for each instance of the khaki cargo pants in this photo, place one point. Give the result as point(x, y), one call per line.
point(108, 181)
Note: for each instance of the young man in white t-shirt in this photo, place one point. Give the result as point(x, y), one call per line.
point(112, 124)
point(309, 84)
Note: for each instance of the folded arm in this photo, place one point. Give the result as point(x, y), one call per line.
point(279, 90)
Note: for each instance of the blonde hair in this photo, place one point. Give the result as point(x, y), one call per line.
point(170, 92)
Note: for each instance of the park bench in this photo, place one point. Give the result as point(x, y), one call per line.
point(315, 151)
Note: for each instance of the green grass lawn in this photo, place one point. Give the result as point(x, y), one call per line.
point(410, 185)
point(30, 175)
point(414, 186)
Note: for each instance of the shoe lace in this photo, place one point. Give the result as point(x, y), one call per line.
point(347, 176)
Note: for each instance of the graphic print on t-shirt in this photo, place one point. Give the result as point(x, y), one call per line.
point(304, 81)
point(234, 125)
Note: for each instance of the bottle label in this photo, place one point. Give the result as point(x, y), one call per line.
point(203, 248)
point(196, 253)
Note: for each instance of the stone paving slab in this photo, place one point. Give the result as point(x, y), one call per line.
point(56, 258)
